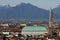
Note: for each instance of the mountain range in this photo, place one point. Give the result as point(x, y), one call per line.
point(26, 11)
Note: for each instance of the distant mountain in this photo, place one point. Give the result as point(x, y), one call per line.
point(23, 11)
point(26, 11)
point(57, 12)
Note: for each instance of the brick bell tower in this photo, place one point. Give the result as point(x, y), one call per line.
point(50, 28)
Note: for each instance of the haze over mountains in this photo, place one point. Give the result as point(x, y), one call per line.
point(26, 11)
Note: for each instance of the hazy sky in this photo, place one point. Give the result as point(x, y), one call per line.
point(45, 4)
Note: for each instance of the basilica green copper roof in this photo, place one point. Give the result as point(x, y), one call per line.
point(34, 28)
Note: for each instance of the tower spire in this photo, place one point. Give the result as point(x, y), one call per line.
point(50, 18)
point(50, 29)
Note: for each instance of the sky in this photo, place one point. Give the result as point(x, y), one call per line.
point(45, 4)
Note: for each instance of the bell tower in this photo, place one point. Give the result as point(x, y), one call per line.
point(50, 28)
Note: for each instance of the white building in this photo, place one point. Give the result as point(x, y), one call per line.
point(34, 30)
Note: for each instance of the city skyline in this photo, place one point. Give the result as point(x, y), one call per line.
point(45, 4)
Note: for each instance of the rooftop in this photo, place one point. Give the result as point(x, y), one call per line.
point(35, 29)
